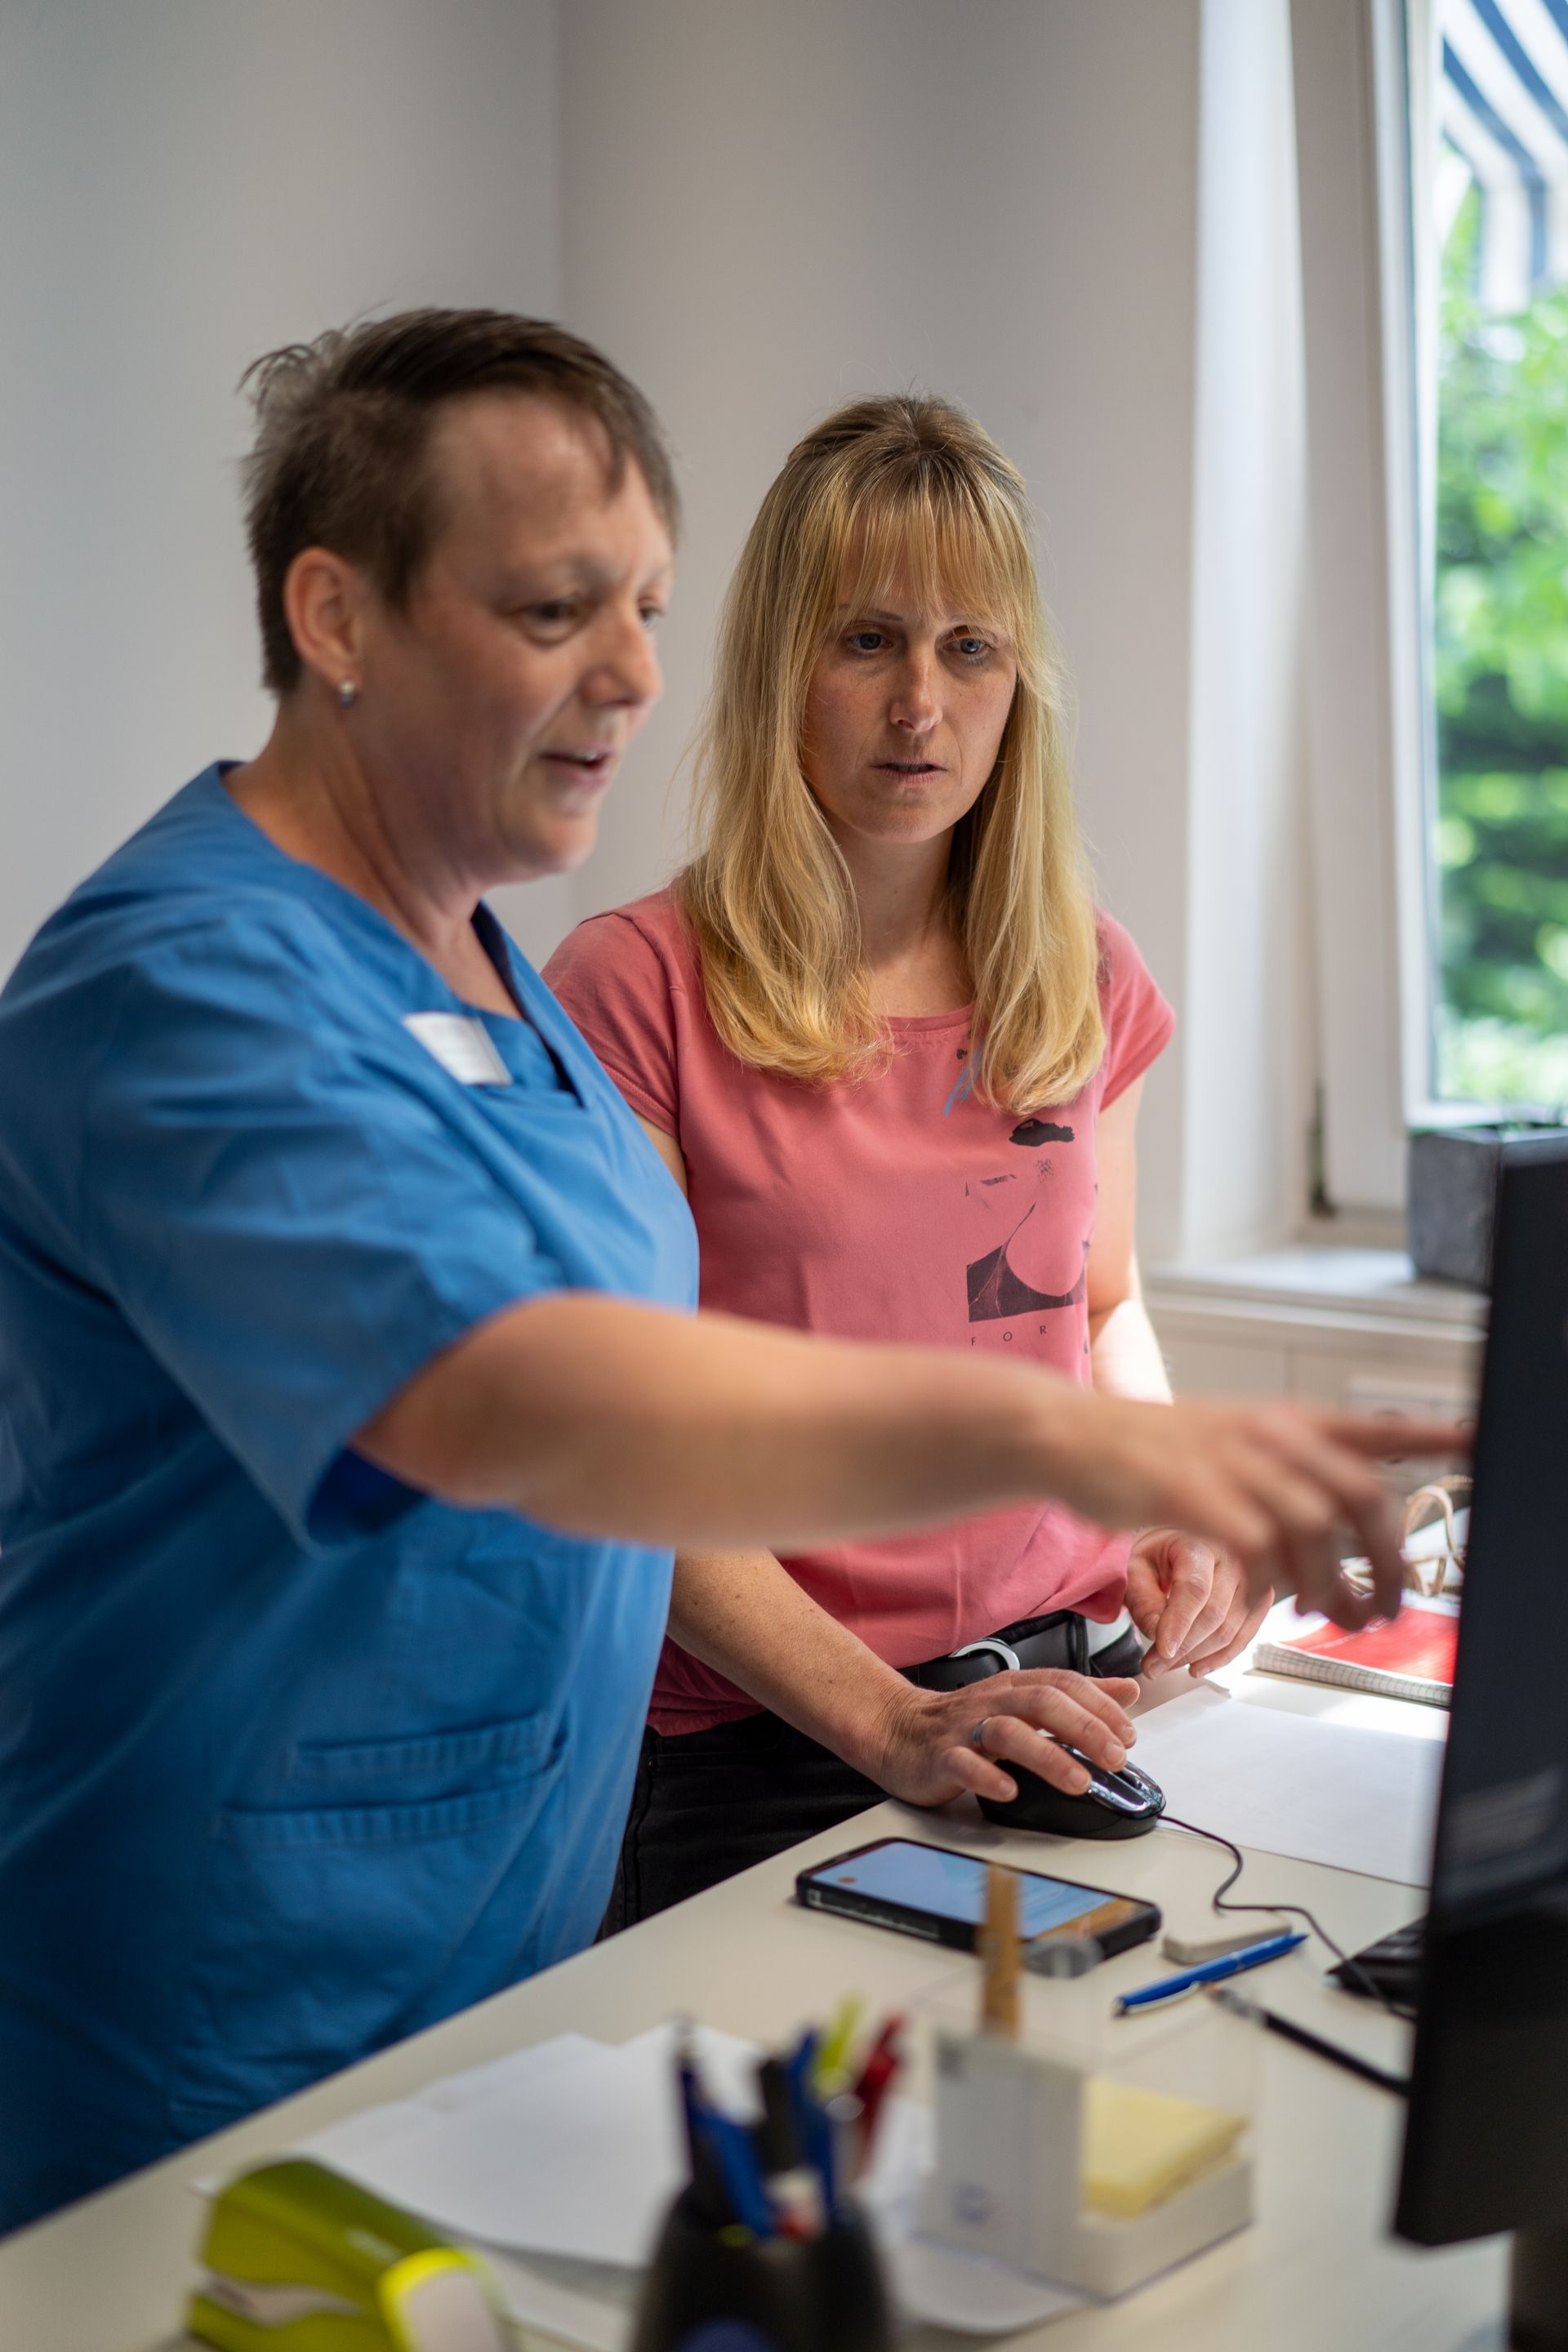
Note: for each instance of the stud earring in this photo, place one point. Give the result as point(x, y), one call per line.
point(348, 694)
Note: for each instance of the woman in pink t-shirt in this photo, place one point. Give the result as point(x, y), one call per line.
point(893, 1054)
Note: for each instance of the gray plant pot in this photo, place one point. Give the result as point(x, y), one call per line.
point(1452, 1187)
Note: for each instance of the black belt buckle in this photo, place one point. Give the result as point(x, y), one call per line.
point(1061, 1640)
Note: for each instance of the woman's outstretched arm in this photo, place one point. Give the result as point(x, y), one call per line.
point(607, 1418)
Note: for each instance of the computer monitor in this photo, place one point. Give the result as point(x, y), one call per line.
point(1486, 2143)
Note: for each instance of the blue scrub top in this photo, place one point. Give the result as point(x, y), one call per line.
point(294, 1761)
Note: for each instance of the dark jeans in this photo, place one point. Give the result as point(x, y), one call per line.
point(707, 1804)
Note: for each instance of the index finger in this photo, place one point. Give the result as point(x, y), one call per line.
point(1191, 1584)
point(1367, 1506)
point(1109, 1696)
point(1081, 1717)
point(1376, 1529)
point(1387, 1437)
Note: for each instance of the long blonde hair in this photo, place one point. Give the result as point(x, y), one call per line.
point(883, 487)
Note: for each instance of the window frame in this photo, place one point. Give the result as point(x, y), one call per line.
point(1365, 106)
point(1406, 47)
point(1356, 956)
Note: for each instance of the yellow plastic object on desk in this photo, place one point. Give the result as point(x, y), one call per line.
point(1140, 2147)
point(303, 2261)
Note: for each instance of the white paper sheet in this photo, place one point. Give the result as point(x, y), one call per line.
point(573, 2153)
point(1316, 1790)
point(359, 2144)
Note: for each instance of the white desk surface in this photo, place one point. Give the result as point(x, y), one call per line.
point(1316, 2272)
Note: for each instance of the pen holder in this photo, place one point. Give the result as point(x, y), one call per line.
point(712, 2291)
point(1099, 2160)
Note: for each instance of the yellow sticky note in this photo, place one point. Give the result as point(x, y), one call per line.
point(1140, 2147)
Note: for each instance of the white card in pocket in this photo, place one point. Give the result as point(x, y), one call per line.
point(463, 1046)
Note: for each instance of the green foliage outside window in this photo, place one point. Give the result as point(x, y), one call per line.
point(1500, 676)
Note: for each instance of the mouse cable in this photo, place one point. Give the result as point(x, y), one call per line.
point(1352, 1967)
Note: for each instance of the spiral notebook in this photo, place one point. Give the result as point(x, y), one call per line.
point(1413, 1657)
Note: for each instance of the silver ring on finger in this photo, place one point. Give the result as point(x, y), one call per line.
point(977, 1733)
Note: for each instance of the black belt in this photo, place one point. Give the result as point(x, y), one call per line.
point(1059, 1640)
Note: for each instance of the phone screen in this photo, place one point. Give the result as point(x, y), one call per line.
point(952, 1886)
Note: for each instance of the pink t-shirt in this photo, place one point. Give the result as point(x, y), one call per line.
point(895, 1208)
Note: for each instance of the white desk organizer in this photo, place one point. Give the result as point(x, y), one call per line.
point(1010, 2147)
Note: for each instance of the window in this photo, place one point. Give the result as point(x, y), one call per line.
point(1494, 181)
point(1432, 177)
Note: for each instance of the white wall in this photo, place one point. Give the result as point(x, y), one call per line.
point(769, 209)
point(759, 209)
point(185, 184)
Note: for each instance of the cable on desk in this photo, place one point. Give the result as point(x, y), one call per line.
point(1296, 1910)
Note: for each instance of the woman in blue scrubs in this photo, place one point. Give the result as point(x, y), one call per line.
point(350, 1398)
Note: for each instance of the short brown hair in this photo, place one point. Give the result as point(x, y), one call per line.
point(344, 426)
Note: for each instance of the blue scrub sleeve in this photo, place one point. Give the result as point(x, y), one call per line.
point(283, 1214)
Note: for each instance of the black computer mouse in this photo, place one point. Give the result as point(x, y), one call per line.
point(1124, 1804)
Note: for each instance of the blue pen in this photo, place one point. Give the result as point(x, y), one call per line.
point(820, 2152)
point(814, 2127)
point(797, 2069)
point(1252, 1956)
point(726, 2173)
point(735, 2157)
point(691, 2101)
point(707, 2181)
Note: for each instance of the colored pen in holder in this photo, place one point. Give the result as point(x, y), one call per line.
point(765, 2238)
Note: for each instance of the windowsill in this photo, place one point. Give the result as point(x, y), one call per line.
point(1308, 1281)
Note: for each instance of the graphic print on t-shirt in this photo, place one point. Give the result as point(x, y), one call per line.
point(1012, 1278)
point(1039, 1130)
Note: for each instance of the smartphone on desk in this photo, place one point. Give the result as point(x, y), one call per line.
point(932, 1892)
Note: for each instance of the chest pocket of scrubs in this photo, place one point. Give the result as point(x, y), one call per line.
point(331, 1929)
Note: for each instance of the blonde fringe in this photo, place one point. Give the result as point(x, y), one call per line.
point(883, 485)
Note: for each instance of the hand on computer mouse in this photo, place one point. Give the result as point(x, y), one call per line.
point(929, 1749)
point(1124, 1804)
point(1190, 1602)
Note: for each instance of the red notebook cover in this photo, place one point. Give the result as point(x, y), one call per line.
point(1418, 1647)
